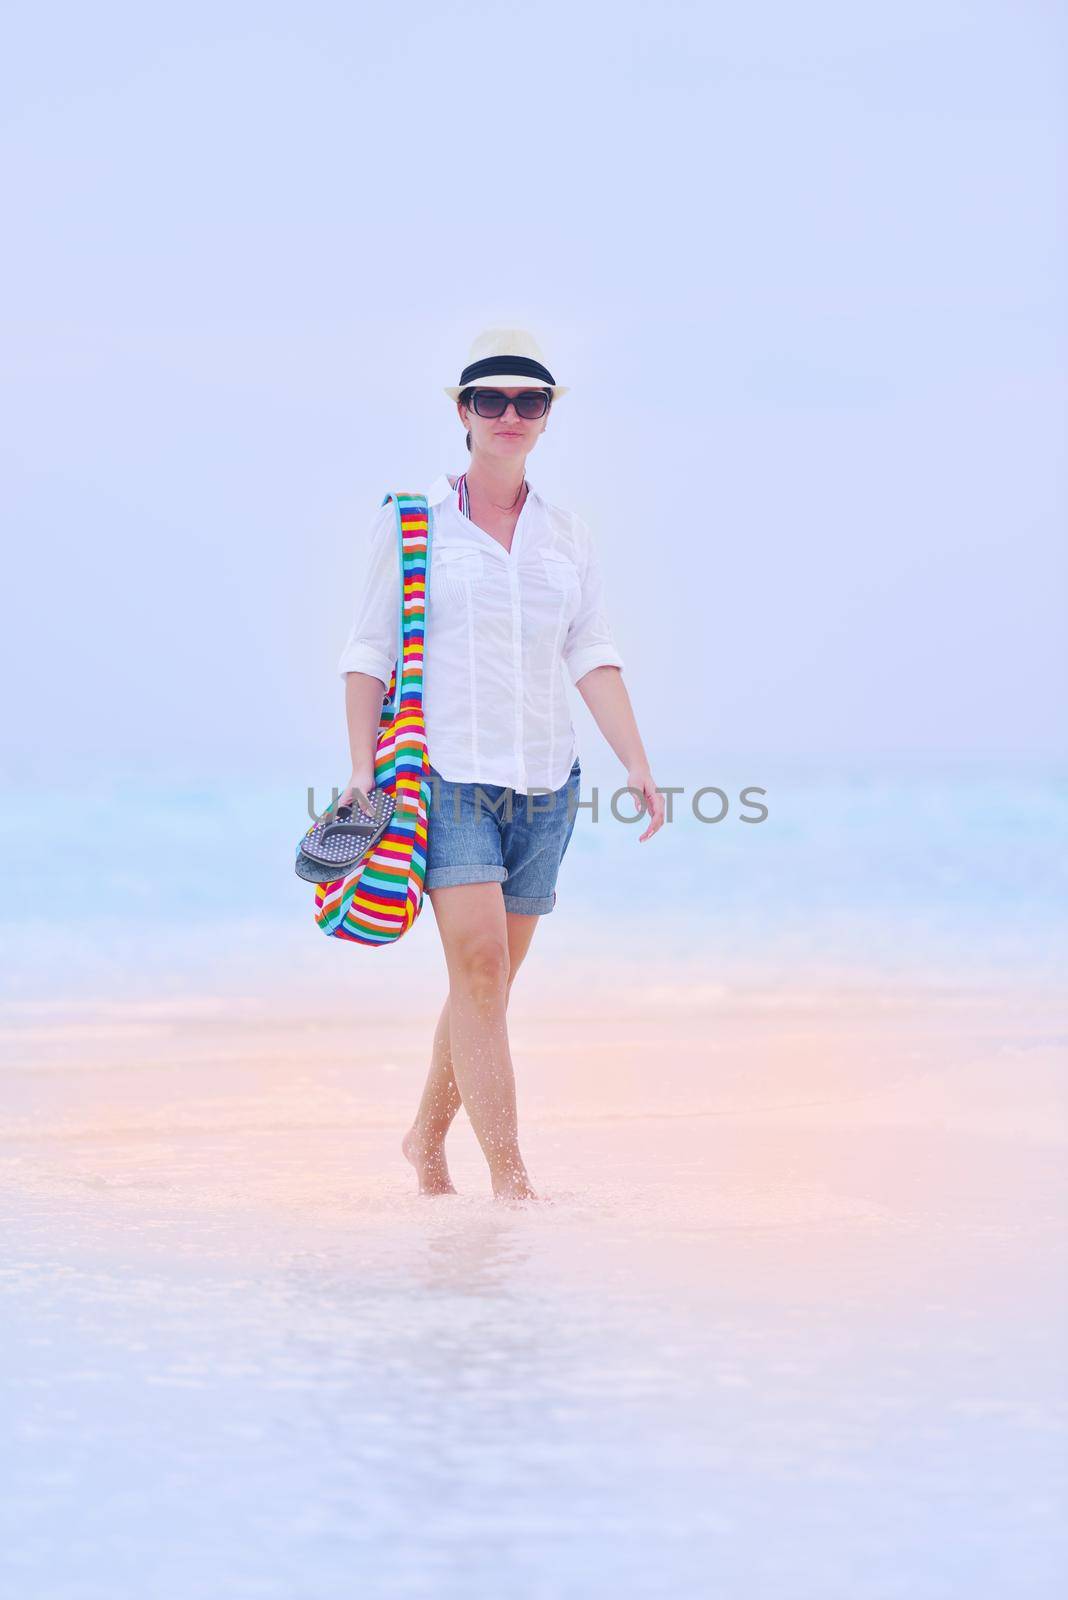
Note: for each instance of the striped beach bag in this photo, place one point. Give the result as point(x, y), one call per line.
point(382, 896)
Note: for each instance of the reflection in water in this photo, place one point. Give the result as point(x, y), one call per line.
point(474, 1258)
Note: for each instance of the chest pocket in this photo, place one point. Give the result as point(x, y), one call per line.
point(461, 569)
point(561, 572)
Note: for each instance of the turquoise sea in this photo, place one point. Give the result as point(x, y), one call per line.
point(134, 886)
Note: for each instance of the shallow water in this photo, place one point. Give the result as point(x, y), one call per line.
point(783, 1324)
point(788, 1319)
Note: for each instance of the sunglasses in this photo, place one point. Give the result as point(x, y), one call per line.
point(532, 403)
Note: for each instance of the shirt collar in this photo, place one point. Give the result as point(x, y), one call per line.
point(441, 489)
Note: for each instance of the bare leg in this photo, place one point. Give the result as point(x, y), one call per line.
point(424, 1143)
point(472, 1028)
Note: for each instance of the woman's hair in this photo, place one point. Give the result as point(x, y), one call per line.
point(464, 398)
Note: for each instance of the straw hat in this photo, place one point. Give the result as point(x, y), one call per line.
point(506, 358)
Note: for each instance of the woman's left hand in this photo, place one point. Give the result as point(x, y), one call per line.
point(641, 778)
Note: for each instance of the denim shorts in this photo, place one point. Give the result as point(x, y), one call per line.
point(472, 838)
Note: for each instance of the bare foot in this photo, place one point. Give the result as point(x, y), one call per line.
point(429, 1163)
point(513, 1187)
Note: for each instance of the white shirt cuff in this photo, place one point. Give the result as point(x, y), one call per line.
point(594, 655)
point(365, 658)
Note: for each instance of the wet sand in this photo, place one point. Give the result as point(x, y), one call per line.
point(787, 1323)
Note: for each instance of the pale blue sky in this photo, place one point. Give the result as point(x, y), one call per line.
point(803, 268)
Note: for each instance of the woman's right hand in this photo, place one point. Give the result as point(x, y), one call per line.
point(363, 778)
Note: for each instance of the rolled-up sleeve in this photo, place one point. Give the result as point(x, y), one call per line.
point(589, 641)
point(373, 640)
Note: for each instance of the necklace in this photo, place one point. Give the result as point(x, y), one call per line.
point(512, 507)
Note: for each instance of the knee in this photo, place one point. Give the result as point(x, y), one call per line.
point(482, 967)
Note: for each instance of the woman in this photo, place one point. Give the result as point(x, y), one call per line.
point(514, 594)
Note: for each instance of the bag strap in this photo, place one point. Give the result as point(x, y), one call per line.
point(413, 548)
point(413, 545)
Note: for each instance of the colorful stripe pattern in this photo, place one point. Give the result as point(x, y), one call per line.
point(383, 895)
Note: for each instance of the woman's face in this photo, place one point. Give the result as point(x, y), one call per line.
point(510, 435)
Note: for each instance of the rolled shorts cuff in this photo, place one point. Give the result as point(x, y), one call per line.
point(446, 877)
point(530, 905)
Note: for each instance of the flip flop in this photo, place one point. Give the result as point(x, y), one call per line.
point(339, 841)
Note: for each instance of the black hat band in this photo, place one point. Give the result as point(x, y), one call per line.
point(494, 366)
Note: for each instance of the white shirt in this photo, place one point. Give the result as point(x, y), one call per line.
point(501, 626)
